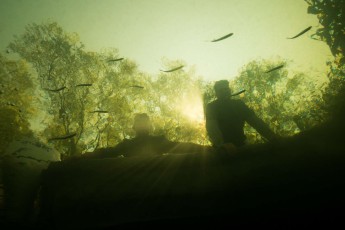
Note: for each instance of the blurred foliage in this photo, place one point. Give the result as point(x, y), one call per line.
point(16, 90)
point(60, 60)
point(175, 101)
point(331, 15)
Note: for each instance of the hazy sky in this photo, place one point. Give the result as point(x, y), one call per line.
point(147, 30)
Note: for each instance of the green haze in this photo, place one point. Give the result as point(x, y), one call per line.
point(146, 31)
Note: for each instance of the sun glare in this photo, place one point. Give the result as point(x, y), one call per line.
point(193, 109)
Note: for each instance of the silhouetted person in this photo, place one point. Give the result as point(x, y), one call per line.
point(145, 144)
point(225, 118)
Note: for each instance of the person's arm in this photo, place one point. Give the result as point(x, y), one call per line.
point(187, 147)
point(110, 152)
point(262, 128)
point(104, 153)
point(167, 146)
point(258, 124)
point(212, 128)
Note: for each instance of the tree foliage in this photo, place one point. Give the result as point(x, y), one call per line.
point(16, 90)
point(331, 15)
point(101, 113)
point(288, 103)
point(60, 63)
point(96, 95)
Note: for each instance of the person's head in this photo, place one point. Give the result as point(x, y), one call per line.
point(222, 89)
point(142, 124)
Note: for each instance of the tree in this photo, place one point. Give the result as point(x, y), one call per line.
point(331, 15)
point(289, 104)
point(16, 90)
point(61, 65)
point(178, 103)
point(96, 94)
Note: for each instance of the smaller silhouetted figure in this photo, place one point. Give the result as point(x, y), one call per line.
point(144, 144)
point(225, 119)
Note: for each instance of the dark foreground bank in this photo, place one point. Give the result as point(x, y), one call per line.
point(298, 182)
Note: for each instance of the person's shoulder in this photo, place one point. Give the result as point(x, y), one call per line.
point(127, 139)
point(158, 139)
point(212, 104)
point(243, 107)
point(125, 142)
point(238, 102)
point(104, 151)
